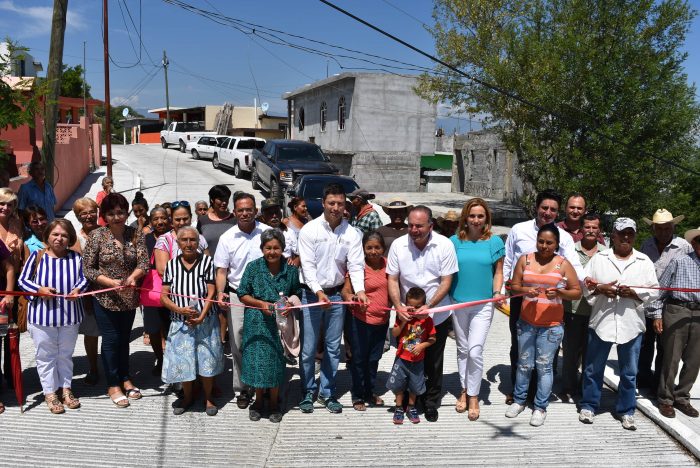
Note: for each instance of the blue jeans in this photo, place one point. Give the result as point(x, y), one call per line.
point(596, 357)
point(536, 349)
point(367, 342)
point(310, 324)
point(115, 326)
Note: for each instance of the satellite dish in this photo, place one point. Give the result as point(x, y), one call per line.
point(125, 112)
point(264, 106)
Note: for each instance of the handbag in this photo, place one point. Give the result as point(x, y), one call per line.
point(23, 302)
point(151, 287)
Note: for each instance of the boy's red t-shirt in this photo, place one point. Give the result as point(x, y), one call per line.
point(415, 332)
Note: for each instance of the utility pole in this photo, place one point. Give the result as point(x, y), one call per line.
point(108, 107)
point(167, 95)
point(53, 77)
point(84, 87)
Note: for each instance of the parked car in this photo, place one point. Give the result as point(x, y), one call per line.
point(235, 153)
point(310, 188)
point(280, 162)
point(204, 147)
point(180, 133)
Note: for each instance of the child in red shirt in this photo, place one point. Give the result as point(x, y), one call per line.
point(413, 337)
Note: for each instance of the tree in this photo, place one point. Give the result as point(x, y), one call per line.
point(606, 77)
point(17, 104)
point(72, 82)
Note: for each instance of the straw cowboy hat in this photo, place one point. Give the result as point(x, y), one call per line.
point(663, 216)
point(692, 234)
point(451, 215)
point(395, 204)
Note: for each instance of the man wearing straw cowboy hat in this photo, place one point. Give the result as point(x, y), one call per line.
point(677, 315)
point(448, 223)
point(661, 248)
point(397, 210)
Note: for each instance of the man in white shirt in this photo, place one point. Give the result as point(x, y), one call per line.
point(522, 239)
point(427, 260)
point(329, 249)
point(661, 248)
point(616, 288)
point(237, 247)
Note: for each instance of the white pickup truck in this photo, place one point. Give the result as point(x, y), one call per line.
point(235, 153)
point(180, 133)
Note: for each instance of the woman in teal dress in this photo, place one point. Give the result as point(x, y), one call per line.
point(263, 358)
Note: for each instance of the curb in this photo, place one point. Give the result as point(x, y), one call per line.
point(675, 428)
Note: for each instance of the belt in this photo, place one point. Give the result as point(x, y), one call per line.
point(687, 304)
point(327, 291)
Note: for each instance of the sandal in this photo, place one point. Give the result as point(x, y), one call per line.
point(146, 339)
point(2, 408)
point(473, 409)
point(461, 405)
point(359, 405)
point(54, 404)
point(376, 401)
point(69, 399)
point(133, 393)
point(120, 401)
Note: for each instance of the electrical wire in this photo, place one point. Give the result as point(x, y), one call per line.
point(506, 93)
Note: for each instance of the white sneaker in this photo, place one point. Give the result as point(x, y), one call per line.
point(538, 417)
point(586, 416)
point(628, 422)
point(514, 410)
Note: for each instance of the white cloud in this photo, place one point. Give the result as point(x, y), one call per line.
point(38, 19)
point(123, 101)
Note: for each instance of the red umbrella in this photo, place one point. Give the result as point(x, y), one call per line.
point(16, 364)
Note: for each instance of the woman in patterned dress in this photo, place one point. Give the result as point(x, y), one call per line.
point(193, 347)
point(263, 358)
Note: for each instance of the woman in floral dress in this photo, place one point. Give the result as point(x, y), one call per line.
point(263, 358)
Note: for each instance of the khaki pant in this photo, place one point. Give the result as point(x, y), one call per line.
point(235, 333)
point(681, 341)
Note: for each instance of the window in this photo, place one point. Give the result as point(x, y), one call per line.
point(341, 113)
point(324, 114)
point(301, 119)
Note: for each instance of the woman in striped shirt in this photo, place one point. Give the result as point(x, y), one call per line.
point(53, 321)
point(546, 278)
point(193, 347)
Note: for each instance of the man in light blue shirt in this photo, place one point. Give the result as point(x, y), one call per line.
point(38, 191)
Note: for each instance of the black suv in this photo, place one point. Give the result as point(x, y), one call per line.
point(281, 162)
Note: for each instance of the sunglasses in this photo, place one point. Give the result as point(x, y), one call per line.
point(177, 204)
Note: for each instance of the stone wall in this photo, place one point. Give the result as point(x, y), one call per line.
point(484, 167)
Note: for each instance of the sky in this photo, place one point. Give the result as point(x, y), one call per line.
point(213, 63)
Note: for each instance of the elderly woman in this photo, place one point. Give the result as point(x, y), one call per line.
point(85, 209)
point(193, 345)
point(116, 257)
point(107, 188)
point(480, 276)
point(11, 236)
point(53, 322)
point(263, 360)
point(546, 278)
point(615, 281)
point(35, 221)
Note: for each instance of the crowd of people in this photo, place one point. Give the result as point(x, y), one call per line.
point(274, 291)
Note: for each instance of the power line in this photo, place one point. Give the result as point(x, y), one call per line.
point(503, 91)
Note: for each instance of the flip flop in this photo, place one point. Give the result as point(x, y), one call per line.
point(121, 401)
point(134, 394)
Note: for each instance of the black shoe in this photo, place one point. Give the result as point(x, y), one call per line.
point(431, 414)
point(211, 410)
point(275, 417)
point(254, 414)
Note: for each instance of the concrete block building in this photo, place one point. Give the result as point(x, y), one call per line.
point(373, 126)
